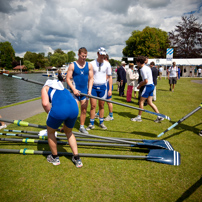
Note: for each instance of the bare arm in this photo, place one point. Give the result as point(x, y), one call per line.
point(142, 83)
point(90, 78)
point(110, 85)
point(45, 99)
point(69, 77)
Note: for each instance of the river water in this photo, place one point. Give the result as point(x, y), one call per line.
point(14, 90)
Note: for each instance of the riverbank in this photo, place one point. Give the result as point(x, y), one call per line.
point(22, 111)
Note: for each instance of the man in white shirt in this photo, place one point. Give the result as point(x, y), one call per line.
point(160, 72)
point(172, 76)
point(147, 93)
point(101, 72)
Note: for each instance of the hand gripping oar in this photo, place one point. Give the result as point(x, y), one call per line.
point(143, 145)
point(164, 143)
point(182, 119)
point(90, 96)
point(155, 155)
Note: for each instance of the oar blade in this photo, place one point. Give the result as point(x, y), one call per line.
point(164, 156)
point(162, 143)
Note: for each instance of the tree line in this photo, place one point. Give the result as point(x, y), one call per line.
point(185, 39)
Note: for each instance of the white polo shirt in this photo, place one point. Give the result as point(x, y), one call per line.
point(101, 72)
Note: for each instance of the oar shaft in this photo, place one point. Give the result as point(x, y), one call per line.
point(143, 145)
point(27, 151)
point(58, 138)
point(98, 98)
point(181, 120)
point(77, 134)
point(27, 140)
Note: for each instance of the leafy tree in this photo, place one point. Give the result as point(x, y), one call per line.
point(151, 42)
point(186, 39)
point(17, 61)
point(49, 55)
point(114, 62)
point(59, 50)
point(29, 65)
point(40, 61)
point(32, 57)
point(7, 55)
point(58, 59)
point(71, 56)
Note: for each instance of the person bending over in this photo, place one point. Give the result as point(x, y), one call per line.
point(64, 109)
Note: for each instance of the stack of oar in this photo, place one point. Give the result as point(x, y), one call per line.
point(160, 151)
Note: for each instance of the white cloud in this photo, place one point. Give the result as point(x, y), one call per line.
point(45, 25)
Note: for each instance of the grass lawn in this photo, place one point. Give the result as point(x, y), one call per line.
point(32, 178)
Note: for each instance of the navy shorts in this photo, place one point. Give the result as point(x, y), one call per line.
point(99, 91)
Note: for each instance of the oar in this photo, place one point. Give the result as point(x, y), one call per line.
point(90, 96)
point(27, 140)
point(58, 138)
point(150, 144)
point(155, 155)
point(182, 119)
point(128, 139)
point(147, 145)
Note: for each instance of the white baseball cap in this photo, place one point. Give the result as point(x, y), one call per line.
point(102, 51)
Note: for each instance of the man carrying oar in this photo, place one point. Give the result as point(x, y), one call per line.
point(147, 93)
point(64, 109)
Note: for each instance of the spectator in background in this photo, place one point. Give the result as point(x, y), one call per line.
point(160, 72)
point(199, 72)
point(117, 78)
point(60, 76)
point(130, 82)
point(190, 71)
point(155, 76)
point(195, 72)
point(122, 78)
point(179, 71)
point(135, 89)
point(172, 76)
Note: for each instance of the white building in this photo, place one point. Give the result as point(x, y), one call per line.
point(186, 65)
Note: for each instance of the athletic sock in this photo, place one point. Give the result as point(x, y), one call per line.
point(101, 120)
point(111, 114)
point(97, 113)
point(92, 121)
point(81, 126)
point(139, 116)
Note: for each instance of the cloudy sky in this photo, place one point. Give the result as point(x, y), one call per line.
point(45, 25)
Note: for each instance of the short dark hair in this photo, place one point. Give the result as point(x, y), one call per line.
point(152, 63)
point(106, 57)
point(141, 59)
point(82, 50)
